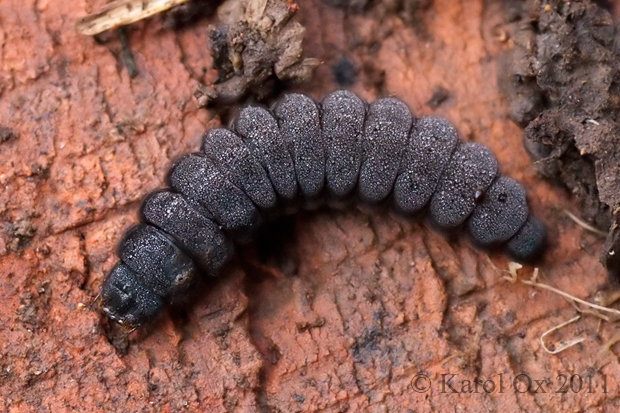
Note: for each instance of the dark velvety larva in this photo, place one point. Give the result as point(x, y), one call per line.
point(306, 154)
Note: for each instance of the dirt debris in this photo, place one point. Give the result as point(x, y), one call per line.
point(256, 45)
point(19, 232)
point(563, 80)
point(7, 134)
point(189, 13)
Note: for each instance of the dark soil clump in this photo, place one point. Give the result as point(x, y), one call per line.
point(563, 79)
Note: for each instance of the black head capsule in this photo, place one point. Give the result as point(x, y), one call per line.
point(125, 300)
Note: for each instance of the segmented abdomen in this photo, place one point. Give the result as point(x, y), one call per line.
point(304, 153)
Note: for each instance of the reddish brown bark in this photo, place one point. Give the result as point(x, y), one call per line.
point(354, 306)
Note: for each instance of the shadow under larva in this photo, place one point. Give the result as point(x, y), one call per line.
point(304, 154)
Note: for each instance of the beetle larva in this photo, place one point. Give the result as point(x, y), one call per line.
point(305, 153)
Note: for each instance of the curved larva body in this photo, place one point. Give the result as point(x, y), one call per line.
point(303, 152)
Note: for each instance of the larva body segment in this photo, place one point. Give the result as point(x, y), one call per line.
point(231, 156)
point(342, 122)
point(385, 132)
point(324, 153)
point(159, 264)
point(198, 235)
point(199, 179)
point(300, 124)
point(425, 157)
point(472, 169)
point(499, 216)
point(260, 131)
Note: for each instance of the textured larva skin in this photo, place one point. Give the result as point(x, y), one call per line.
point(299, 121)
point(385, 133)
point(159, 264)
point(427, 153)
point(261, 133)
point(501, 213)
point(471, 170)
point(231, 156)
point(200, 180)
point(528, 243)
point(343, 127)
point(306, 153)
point(194, 232)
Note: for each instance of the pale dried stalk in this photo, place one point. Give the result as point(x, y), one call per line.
point(563, 345)
point(590, 308)
point(584, 224)
point(571, 297)
point(120, 13)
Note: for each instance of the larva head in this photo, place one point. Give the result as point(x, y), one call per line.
point(125, 300)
